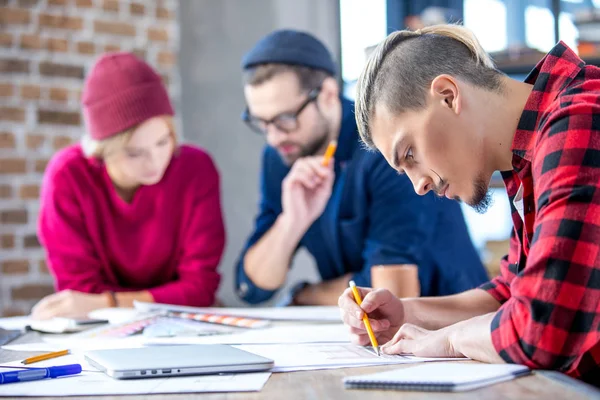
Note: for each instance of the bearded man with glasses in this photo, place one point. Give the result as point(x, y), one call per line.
point(356, 217)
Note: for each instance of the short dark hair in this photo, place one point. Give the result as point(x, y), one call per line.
point(308, 78)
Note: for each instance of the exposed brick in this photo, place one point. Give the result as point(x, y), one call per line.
point(15, 16)
point(59, 94)
point(158, 34)
point(14, 267)
point(7, 241)
point(31, 242)
point(13, 65)
point(30, 192)
point(84, 3)
point(7, 140)
point(13, 166)
point(57, 45)
point(6, 89)
point(6, 39)
point(110, 5)
point(31, 92)
point(13, 216)
point(13, 114)
point(166, 58)
point(34, 141)
point(164, 13)
point(31, 42)
point(58, 117)
point(57, 2)
point(136, 9)
point(68, 71)
point(60, 142)
point(44, 267)
point(5, 191)
point(112, 47)
point(28, 3)
point(31, 292)
point(60, 21)
point(40, 165)
point(114, 28)
point(86, 48)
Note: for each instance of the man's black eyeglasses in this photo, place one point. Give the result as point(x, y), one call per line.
point(285, 122)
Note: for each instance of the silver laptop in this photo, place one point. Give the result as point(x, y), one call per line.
point(162, 361)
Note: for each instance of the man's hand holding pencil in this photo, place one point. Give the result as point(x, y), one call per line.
point(307, 188)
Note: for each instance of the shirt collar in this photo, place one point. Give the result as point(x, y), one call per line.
point(549, 78)
point(348, 139)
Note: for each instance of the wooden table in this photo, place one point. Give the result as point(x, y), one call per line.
point(327, 384)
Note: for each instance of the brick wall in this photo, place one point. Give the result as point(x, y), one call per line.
point(46, 48)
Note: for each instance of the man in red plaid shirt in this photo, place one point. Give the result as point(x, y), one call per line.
point(434, 105)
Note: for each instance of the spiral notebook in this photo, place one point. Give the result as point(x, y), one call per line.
point(438, 377)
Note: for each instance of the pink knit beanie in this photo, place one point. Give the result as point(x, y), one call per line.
point(122, 91)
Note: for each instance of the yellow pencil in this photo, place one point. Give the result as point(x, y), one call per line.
point(365, 318)
point(329, 152)
point(46, 356)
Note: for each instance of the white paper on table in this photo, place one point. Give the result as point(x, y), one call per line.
point(97, 383)
point(18, 323)
point(37, 346)
point(295, 357)
point(73, 358)
point(320, 333)
point(301, 313)
point(64, 342)
point(98, 343)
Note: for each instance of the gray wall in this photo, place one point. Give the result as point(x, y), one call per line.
point(214, 36)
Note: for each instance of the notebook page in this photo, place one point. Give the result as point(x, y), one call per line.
point(443, 373)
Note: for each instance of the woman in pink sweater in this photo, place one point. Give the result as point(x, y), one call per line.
point(129, 214)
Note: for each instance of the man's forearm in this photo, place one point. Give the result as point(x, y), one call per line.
point(267, 262)
point(323, 293)
point(473, 339)
point(438, 312)
point(402, 279)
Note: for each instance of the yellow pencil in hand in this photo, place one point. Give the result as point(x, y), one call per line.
point(358, 300)
point(329, 152)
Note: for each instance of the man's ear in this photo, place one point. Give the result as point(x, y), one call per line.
point(330, 91)
point(445, 91)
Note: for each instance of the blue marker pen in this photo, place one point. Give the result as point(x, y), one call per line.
point(39, 373)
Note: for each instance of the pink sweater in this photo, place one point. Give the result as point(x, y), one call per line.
point(168, 240)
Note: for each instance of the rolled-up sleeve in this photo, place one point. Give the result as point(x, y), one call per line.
point(269, 210)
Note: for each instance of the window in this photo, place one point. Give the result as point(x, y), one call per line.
point(487, 19)
point(363, 24)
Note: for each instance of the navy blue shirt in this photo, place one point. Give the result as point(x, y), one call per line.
point(374, 217)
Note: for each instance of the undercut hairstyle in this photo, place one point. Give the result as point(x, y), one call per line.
point(399, 72)
point(308, 78)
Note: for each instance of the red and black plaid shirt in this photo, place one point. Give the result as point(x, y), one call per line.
point(549, 284)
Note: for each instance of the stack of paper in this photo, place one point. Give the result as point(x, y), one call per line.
point(313, 356)
point(97, 383)
point(307, 314)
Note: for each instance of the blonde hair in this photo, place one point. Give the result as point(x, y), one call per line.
point(402, 67)
point(101, 149)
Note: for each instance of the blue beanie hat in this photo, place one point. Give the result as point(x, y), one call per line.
point(292, 48)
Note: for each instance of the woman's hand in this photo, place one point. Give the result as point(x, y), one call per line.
point(68, 304)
